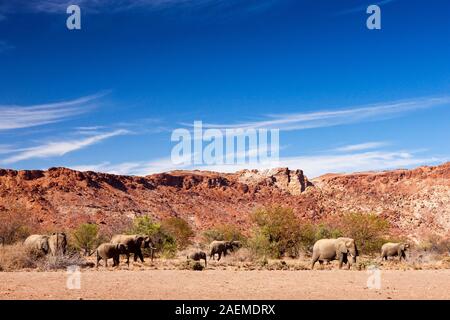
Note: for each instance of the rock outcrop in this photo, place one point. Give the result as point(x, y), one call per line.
point(413, 200)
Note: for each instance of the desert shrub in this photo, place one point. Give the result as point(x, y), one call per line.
point(50, 262)
point(15, 225)
point(86, 238)
point(223, 232)
point(277, 232)
point(435, 243)
point(16, 257)
point(164, 242)
point(368, 230)
point(180, 230)
point(310, 233)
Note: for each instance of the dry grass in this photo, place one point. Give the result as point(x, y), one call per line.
point(18, 257)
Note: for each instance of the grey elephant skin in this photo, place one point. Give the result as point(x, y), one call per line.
point(133, 244)
point(219, 247)
point(38, 243)
point(108, 250)
point(54, 244)
point(197, 256)
point(392, 249)
point(57, 243)
point(334, 249)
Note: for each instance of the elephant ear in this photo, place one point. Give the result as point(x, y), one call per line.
point(342, 247)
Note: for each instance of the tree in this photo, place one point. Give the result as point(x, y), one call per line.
point(163, 240)
point(279, 229)
point(368, 230)
point(86, 237)
point(178, 229)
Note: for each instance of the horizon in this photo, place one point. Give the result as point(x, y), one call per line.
point(107, 98)
point(249, 169)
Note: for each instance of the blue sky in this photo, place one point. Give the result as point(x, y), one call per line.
point(108, 96)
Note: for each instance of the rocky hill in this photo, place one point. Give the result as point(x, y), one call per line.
point(414, 200)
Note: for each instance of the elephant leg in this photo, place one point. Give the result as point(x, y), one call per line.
point(106, 262)
point(341, 261)
point(220, 254)
point(98, 259)
point(128, 258)
point(140, 256)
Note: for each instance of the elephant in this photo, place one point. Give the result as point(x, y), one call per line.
point(332, 249)
point(106, 251)
point(236, 244)
point(219, 247)
point(197, 256)
point(38, 243)
point(133, 245)
point(392, 249)
point(57, 243)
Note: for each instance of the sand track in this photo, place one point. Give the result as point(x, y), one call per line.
point(221, 284)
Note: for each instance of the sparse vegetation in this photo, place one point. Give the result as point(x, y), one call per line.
point(180, 230)
point(164, 242)
point(277, 232)
point(15, 225)
point(368, 230)
point(86, 238)
point(223, 232)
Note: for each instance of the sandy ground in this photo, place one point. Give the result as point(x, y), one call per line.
point(225, 284)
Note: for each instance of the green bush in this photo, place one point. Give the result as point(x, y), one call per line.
point(180, 230)
point(86, 237)
point(369, 230)
point(277, 232)
point(224, 232)
point(310, 233)
point(163, 241)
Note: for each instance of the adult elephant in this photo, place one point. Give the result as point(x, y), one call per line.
point(334, 249)
point(38, 243)
point(57, 243)
point(392, 249)
point(219, 247)
point(133, 244)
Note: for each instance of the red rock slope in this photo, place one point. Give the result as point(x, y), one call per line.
point(412, 199)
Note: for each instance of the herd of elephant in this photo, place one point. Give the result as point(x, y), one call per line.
point(342, 249)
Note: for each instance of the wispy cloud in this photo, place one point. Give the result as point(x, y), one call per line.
point(312, 165)
point(15, 116)
point(361, 146)
point(362, 8)
point(60, 148)
point(318, 119)
point(111, 6)
point(5, 46)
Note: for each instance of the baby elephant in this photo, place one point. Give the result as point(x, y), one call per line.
point(197, 256)
point(108, 250)
point(391, 249)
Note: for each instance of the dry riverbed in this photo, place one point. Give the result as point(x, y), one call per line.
point(226, 284)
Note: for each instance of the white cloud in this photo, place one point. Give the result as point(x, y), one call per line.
point(100, 6)
point(312, 165)
point(61, 148)
point(15, 117)
point(361, 146)
point(318, 119)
